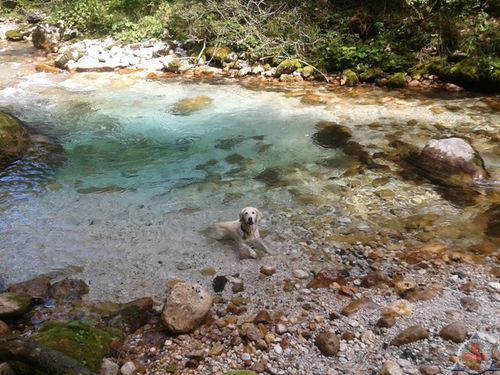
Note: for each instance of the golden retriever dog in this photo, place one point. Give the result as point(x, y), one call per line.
point(244, 231)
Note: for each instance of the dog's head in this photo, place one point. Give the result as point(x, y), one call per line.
point(250, 215)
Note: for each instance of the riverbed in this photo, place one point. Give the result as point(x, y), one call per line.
point(125, 203)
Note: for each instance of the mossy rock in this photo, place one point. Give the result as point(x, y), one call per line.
point(187, 106)
point(79, 340)
point(14, 304)
point(218, 55)
point(397, 80)
point(351, 78)
point(472, 73)
point(241, 372)
point(308, 71)
point(288, 66)
point(14, 35)
point(14, 140)
point(173, 66)
point(370, 75)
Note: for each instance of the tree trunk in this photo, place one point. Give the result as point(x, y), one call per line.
point(29, 352)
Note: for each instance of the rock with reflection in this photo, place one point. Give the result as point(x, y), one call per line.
point(14, 139)
point(452, 162)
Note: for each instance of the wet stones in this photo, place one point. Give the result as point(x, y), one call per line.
point(14, 304)
point(185, 308)
point(39, 287)
point(452, 161)
point(14, 140)
point(185, 107)
point(132, 315)
point(456, 332)
point(374, 278)
point(331, 134)
point(69, 289)
point(410, 334)
point(386, 322)
point(328, 343)
point(326, 276)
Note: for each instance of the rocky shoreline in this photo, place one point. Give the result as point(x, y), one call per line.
point(156, 59)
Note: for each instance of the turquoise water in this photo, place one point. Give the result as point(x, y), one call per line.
point(127, 187)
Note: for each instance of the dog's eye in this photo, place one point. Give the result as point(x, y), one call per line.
point(253, 213)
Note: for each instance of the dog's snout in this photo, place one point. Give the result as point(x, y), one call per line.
point(250, 220)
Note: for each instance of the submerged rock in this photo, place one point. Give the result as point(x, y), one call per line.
point(331, 134)
point(14, 139)
point(185, 308)
point(327, 276)
point(452, 161)
point(187, 106)
point(456, 332)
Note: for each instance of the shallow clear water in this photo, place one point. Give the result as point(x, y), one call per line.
point(127, 197)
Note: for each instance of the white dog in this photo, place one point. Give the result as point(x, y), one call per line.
point(244, 231)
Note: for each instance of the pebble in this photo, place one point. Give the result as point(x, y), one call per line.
point(268, 270)
point(456, 332)
point(108, 367)
point(391, 368)
point(246, 357)
point(281, 328)
point(429, 370)
point(328, 343)
point(4, 329)
point(278, 349)
point(494, 286)
point(469, 304)
point(409, 335)
point(398, 308)
point(386, 322)
point(128, 368)
point(300, 274)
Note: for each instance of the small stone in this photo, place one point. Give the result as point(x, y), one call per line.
point(208, 271)
point(246, 357)
point(391, 368)
point(429, 370)
point(262, 316)
point(267, 270)
point(469, 304)
point(128, 368)
point(347, 336)
point(374, 278)
point(403, 286)
point(398, 308)
point(281, 328)
point(494, 286)
point(108, 367)
point(4, 329)
point(422, 293)
point(456, 332)
point(363, 303)
point(238, 286)
point(300, 274)
point(219, 283)
point(216, 351)
point(409, 335)
point(327, 276)
point(328, 343)
point(386, 322)
point(278, 349)
point(367, 337)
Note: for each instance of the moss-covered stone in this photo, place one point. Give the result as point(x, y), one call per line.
point(288, 66)
point(308, 71)
point(173, 66)
point(79, 340)
point(14, 35)
point(14, 140)
point(350, 77)
point(218, 55)
point(397, 80)
point(14, 304)
point(370, 75)
point(472, 73)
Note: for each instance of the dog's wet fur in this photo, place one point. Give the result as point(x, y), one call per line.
point(245, 232)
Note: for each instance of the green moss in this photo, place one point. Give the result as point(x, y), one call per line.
point(351, 78)
point(371, 75)
point(23, 300)
point(218, 55)
point(14, 35)
point(78, 339)
point(288, 66)
point(397, 80)
point(308, 71)
point(13, 139)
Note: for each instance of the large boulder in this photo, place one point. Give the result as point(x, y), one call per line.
point(452, 161)
point(14, 139)
point(185, 308)
point(46, 37)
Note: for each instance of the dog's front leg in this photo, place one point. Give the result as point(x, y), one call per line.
point(246, 251)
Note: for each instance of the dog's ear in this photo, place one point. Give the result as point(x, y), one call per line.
point(242, 212)
point(258, 214)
